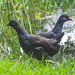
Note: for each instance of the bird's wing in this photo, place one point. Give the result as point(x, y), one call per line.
point(47, 45)
point(42, 42)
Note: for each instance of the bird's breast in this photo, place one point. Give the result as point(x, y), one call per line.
point(24, 42)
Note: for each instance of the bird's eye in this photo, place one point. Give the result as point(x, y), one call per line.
point(64, 19)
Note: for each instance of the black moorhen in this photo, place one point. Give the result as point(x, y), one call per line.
point(57, 30)
point(29, 43)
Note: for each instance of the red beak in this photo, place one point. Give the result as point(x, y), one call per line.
point(7, 24)
point(70, 19)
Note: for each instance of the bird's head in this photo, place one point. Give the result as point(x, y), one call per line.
point(64, 18)
point(13, 23)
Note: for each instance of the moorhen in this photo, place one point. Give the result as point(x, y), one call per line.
point(29, 42)
point(57, 30)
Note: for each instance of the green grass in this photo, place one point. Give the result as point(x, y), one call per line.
point(26, 12)
point(33, 67)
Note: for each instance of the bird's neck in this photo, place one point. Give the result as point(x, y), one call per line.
point(20, 30)
point(58, 27)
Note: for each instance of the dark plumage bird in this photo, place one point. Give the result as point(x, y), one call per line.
point(57, 30)
point(29, 43)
